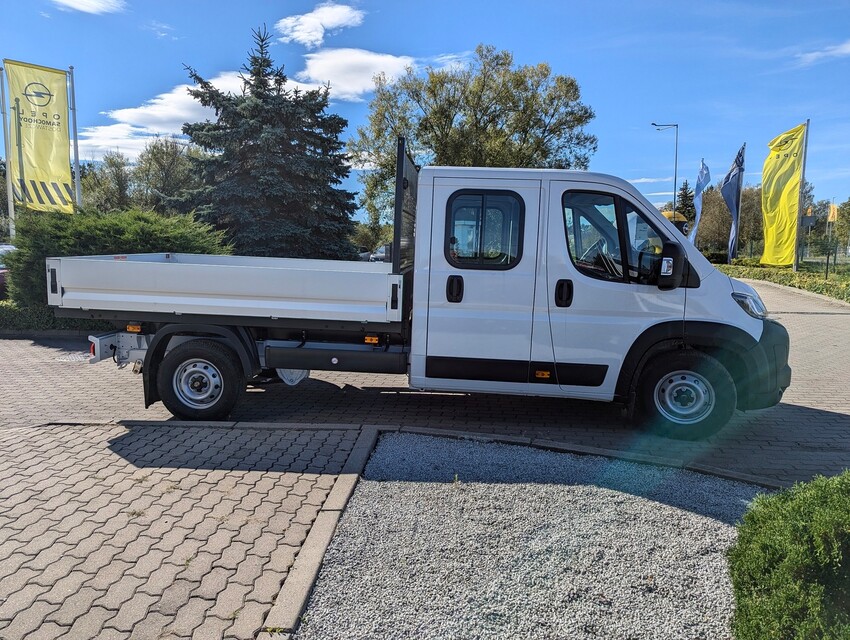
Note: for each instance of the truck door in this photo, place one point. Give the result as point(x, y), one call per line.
point(481, 286)
point(603, 261)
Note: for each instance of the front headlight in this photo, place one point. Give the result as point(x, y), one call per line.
point(752, 304)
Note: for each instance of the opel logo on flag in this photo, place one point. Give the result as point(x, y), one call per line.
point(37, 94)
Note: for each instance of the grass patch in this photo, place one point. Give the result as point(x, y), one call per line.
point(790, 567)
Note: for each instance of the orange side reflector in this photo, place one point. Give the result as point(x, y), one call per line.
point(543, 375)
point(134, 328)
point(371, 339)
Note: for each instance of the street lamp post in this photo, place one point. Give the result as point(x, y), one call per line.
point(663, 127)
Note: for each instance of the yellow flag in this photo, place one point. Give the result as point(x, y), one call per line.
point(833, 213)
point(780, 196)
point(39, 157)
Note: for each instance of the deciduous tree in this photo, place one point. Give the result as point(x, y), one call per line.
point(106, 186)
point(488, 112)
point(161, 173)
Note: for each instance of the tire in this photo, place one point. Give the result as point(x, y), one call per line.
point(200, 380)
point(686, 395)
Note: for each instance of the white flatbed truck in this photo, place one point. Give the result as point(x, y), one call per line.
point(519, 281)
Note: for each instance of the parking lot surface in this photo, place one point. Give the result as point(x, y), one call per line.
point(48, 381)
point(114, 529)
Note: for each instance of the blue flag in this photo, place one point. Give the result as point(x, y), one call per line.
point(731, 190)
point(703, 180)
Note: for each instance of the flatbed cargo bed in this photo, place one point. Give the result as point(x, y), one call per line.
point(234, 286)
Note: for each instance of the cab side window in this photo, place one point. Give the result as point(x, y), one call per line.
point(610, 239)
point(593, 236)
point(484, 229)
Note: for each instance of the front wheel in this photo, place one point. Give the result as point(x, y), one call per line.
point(686, 395)
point(200, 380)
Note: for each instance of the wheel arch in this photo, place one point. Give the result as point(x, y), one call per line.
point(237, 338)
point(731, 346)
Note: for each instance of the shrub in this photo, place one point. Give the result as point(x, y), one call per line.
point(43, 235)
point(716, 257)
point(25, 319)
point(746, 262)
point(791, 564)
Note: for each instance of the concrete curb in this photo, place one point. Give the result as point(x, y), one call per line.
point(577, 449)
point(240, 424)
point(285, 615)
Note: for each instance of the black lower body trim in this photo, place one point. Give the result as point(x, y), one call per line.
point(582, 375)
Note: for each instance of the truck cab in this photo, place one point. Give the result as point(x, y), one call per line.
point(568, 283)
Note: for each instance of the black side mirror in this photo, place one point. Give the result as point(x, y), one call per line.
point(672, 266)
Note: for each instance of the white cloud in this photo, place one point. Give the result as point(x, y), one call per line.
point(309, 29)
point(450, 60)
point(649, 180)
point(92, 6)
point(160, 29)
point(162, 115)
point(95, 142)
point(350, 72)
point(658, 193)
point(837, 51)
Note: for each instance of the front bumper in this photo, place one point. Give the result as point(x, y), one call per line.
point(767, 367)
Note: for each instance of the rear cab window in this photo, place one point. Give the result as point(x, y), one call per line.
point(484, 229)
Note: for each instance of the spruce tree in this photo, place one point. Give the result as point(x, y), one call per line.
point(685, 202)
point(274, 164)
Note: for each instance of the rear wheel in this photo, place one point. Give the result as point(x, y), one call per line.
point(200, 380)
point(686, 395)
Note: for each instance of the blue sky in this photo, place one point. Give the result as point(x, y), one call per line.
point(725, 72)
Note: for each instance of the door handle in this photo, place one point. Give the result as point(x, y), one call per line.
point(564, 293)
point(454, 289)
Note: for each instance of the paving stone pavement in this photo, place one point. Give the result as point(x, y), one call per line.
point(109, 531)
point(808, 433)
point(113, 530)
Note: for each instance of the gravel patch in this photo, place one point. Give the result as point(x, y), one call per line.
point(458, 539)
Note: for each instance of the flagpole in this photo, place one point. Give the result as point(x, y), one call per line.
point(9, 195)
point(21, 175)
point(800, 201)
point(77, 187)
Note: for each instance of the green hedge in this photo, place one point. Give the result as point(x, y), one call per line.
point(838, 286)
point(790, 566)
point(43, 235)
point(24, 319)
